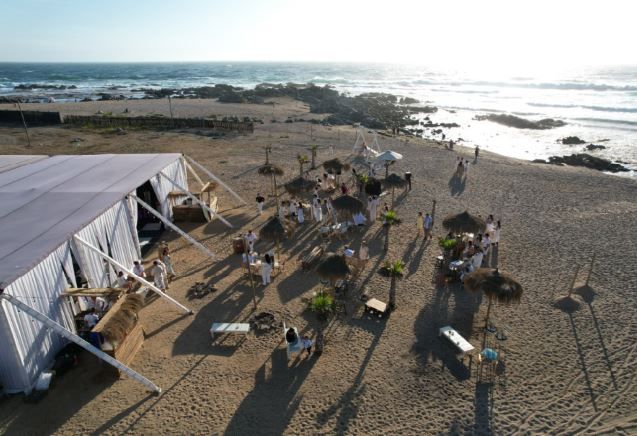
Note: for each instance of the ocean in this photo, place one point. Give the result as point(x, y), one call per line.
point(598, 104)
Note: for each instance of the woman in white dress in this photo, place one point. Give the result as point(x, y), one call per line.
point(299, 213)
point(496, 233)
point(373, 210)
point(170, 272)
point(292, 208)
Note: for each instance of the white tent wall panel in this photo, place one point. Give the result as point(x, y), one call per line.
point(175, 171)
point(112, 229)
point(34, 346)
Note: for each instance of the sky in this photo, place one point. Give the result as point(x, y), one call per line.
point(496, 33)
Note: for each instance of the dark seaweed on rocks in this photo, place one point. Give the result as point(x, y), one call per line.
point(521, 123)
point(585, 160)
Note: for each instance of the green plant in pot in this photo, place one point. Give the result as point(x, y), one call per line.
point(322, 304)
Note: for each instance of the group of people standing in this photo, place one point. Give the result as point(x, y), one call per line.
point(162, 271)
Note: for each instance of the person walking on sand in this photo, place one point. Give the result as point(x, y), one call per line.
point(428, 224)
point(496, 234)
point(408, 179)
point(420, 225)
point(168, 263)
point(138, 269)
point(373, 210)
point(260, 202)
point(159, 275)
point(477, 152)
point(250, 239)
point(466, 167)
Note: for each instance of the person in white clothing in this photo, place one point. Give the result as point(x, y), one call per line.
point(138, 269)
point(477, 258)
point(318, 212)
point(292, 208)
point(299, 213)
point(159, 275)
point(282, 212)
point(168, 263)
point(373, 209)
point(250, 239)
point(466, 167)
point(496, 234)
point(122, 280)
point(260, 202)
point(428, 224)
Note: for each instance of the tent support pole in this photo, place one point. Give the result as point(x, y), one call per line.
point(192, 171)
point(59, 329)
point(195, 199)
point(131, 273)
point(167, 222)
point(215, 178)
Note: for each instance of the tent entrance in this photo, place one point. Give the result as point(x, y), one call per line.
point(149, 227)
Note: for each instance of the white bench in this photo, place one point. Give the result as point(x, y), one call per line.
point(455, 338)
point(229, 327)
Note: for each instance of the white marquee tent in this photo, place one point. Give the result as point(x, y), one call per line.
point(48, 205)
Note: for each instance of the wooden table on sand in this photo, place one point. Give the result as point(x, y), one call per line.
point(376, 306)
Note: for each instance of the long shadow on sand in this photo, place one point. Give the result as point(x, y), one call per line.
point(429, 347)
point(457, 184)
point(271, 404)
point(347, 407)
point(71, 393)
point(226, 306)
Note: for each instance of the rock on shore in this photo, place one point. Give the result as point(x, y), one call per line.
point(585, 160)
point(521, 123)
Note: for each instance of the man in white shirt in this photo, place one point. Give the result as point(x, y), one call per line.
point(138, 269)
point(477, 259)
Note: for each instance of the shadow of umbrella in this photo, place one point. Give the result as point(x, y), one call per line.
point(333, 268)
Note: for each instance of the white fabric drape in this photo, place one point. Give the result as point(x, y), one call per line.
point(162, 187)
point(111, 233)
point(34, 344)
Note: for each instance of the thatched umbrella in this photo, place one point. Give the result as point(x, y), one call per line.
point(496, 285)
point(373, 187)
point(336, 166)
point(464, 222)
point(272, 171)
point(333, 165)
point(394, 181)
point(299, 186)
point(349, 205)
point(334, 267)
point(275, 231)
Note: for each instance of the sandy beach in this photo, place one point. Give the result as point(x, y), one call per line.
point(565, 373)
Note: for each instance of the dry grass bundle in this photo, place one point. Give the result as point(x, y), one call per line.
point(124, 319)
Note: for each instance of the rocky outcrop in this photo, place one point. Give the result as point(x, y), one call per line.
point(592, 147)
point(521, 123)
point(572, 140)
point(33, 86)
point(585, 160)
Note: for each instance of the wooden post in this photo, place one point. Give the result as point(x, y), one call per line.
point(170, 107)
point(247, 253)
point(570, 289)
point(24, 123)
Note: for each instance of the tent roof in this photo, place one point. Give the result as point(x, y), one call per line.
point(45, 201)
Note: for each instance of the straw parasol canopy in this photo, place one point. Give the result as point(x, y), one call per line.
point(334, 267)
point(373, 187)
point(299, 186)
point(464, 223)
point(349, 204)
point(394, 181)
point(495, 284)
point(270, 170)
point(334, 165)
